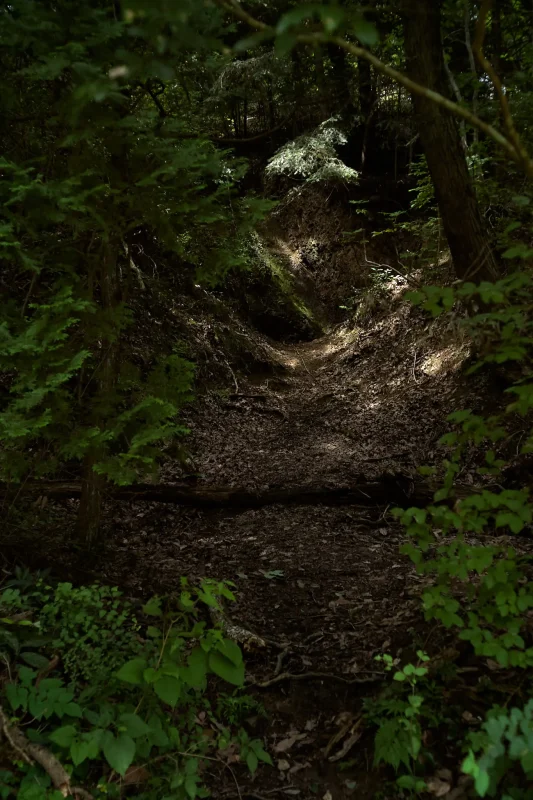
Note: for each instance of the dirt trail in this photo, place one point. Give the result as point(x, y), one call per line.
point(327, 581)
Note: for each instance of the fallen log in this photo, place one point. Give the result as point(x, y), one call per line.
point(396, 490)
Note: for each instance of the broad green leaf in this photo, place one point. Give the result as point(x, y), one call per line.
point(119, 752)
point(168, 689)
point(135, 726)
point(482, 783)
point(225, 669)
point(73, 710)
point(150, 675)
point(17, 696)
point(194, 673)
point(232, 651)
point(79, 751)
point(64, 736)
point(132, 671)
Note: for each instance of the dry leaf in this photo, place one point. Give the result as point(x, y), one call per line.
point(136, 775)
point(328, 796)
point(286, 744)
point(438, 787)
point(445, 774)
point(283, 765)
point(297, 767)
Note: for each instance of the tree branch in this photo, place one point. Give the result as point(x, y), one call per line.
point(511, 144)
point(523, 157)
point(30, 752)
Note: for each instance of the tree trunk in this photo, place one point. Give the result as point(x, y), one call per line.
point(91, 498)
point(367, 95)
point(461, 219)
point(341, 98)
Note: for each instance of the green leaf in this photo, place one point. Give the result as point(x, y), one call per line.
point(79, 751)
point(153, 607)
point(135, 726)
point(195, 673)
point(17, 696)
point(482, 783)
point(63, 736)
point(73, 710)
point(168, 689)
point(225, 669)
point(368, 35)
point(119, 752)
point(34, 660)
point(252, 761)
point(260, 752)
point(232, 651)
point(150, 675)
point(132, 671)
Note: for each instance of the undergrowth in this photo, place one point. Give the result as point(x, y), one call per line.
point(476, 587)
point(101, 694)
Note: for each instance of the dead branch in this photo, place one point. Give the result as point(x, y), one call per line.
point(31, 753)
point(312, 676)
point(398, 489)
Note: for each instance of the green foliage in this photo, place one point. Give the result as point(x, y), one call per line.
point(505, 737)
point(140, 701)
point(93, 626)
point(398, 740)
point(482, 590)
point(312, 158)
point(101, 166)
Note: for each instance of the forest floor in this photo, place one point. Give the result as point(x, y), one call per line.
point(325, 586)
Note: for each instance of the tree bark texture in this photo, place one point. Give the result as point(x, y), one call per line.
point(92, 484)
point(461, 218)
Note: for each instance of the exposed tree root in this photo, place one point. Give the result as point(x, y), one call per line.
point(311, 676)
point(30, 753)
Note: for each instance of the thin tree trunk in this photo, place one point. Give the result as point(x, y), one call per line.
point(472, 62)
point(92, 484)
point(366, 89)
point(461, 219)
point(459, 97)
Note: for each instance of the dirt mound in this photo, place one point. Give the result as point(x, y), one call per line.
point(327, 233)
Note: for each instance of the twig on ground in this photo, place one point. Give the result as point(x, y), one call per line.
point(373, 677)
point(256, 796)
point(279, 662)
